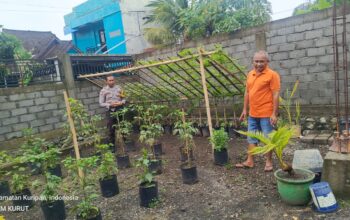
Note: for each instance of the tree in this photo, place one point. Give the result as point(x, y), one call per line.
point(316, 5)
point(181, 20)
point(12, 48)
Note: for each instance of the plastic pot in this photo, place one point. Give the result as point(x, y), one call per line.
point(157, 149)
point(96, 217)
point(4, 188)
point(136, 129)
point(130, 146)
point(168, 129)
point(53, 210)
point(155, 166)
point(294, 190)
point(109, 186)
point(231, 132)
point(123, 161)
point(220, 157)
point(35, 169)
point(184, 155)
point(148, 193)
point(205, 131)
point(23, 199)
point(189, 173)
point(56, 170)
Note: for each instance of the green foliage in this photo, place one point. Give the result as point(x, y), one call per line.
point(12, 48)
point(19, 176)
point(107, 167)
point(312, 6)
point(33, 147)
point(147, 176)
point(85, 125)
point(83, 186)
point(286, 103)
point(181, 20)
point(151, 128)
point(276, 141)
point(219, 139)
point(51, 187)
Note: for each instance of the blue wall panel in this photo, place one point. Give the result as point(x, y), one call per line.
point(87, 37)
point(114, 32)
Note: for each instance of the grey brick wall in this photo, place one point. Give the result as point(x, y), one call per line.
point(40, 107)
point(300, 48)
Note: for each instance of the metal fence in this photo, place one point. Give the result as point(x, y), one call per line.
point(86, 64)
point(15, 73)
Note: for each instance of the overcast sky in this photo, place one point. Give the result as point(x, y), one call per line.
point(47, 15)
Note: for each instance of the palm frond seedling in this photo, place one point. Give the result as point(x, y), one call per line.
point(219, 140)
point(148, 187)
point(276, 141)
point(286, 104)
point(107, 172)
point(84, 185)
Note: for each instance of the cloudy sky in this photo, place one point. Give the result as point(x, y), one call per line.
point(47, 15)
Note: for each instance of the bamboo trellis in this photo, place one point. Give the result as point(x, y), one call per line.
point(194, 76)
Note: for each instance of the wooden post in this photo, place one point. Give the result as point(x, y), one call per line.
point(74, 134)
point(205, 91)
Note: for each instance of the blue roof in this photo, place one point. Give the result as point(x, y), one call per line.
point(89, 12)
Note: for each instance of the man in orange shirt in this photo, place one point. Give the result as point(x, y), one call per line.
point(261, 95)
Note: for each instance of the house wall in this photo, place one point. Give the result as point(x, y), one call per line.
point(114, 33)
point(88, 37)
point(133, 12)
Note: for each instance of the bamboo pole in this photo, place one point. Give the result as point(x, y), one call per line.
point(205, 90)
point(144, 66)
point(74, 134)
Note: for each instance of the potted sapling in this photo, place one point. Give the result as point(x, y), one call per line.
point(5, 159)
point(31, 148)
point(52, 161)
point(107, 172)
point(148, 187)
point(51, 205)
point(83, 179)
point(151, 130)
point(186, 130)
point(293, 184)
point(126, 130)
point(219, 141)
point(123, 128)
point(19, 184)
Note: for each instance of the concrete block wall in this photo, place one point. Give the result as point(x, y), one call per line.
point(40, 107)
point(300, 48)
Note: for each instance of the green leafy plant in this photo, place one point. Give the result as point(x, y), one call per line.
point(276, 141)
point(219, 139)
point(151, 128)
point(84, 185)
point(286, 103)
point(185, 130)
point(107, 167)
point(51, 187)
point(146, 178)
point(123, 128)
point(19, 176)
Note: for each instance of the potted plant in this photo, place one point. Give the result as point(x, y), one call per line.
point(185, 130)
point(52, 207)
point(152, 129)
point(4, 184)
point(107, 172)
point(84, 186)
point(286, 104)
point(148, 187)
point(293, 184)
point(123, 129)
point(19, 184)
point(52, 161)
point(31, 148)
point(219, 141)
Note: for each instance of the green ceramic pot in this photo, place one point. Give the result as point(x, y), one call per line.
point(295, 190)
